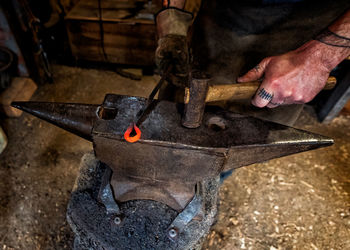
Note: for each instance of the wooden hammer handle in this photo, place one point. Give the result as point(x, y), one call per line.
point(239, 91)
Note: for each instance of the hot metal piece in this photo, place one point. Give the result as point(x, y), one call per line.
point(130, 138)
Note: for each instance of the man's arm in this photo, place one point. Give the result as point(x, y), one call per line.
point(172, 50)
point(173, 23)
point(299, 75)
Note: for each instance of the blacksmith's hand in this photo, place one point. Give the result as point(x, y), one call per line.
point(172, 27)
point(298, 76)
point(291, 78)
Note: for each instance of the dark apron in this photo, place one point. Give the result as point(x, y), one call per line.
point(231, 37)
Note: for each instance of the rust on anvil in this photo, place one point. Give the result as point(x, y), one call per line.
point(169, 159)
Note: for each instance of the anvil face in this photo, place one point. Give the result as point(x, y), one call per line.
point(169, 159)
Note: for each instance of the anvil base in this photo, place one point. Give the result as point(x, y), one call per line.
point(144, 223)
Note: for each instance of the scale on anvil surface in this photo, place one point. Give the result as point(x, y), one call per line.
point(160, 192)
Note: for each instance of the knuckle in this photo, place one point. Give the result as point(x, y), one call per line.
point(265, 60)
point(252, 72)
point(275, 83)
point(287, 93)
point(299, 97)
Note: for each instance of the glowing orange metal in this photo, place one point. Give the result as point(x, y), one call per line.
point(135, 138)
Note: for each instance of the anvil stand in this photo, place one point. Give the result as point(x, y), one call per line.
point(138, 224)
point(160, 192)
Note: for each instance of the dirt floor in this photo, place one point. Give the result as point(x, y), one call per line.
point(297, 202)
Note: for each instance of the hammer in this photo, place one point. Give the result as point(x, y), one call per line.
point(200, 91)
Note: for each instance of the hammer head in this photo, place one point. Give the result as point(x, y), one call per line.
point(195, 100)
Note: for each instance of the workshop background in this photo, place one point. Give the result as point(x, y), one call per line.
point(55, 50)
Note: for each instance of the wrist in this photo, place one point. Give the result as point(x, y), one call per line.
point(326, 55)
point(173, 21)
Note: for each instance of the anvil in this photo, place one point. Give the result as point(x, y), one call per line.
point(169, 159)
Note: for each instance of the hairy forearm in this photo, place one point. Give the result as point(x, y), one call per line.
point(334, 42)
point(342, 25)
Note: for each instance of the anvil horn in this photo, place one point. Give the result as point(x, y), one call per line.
point(73, 117)
point(293, 141)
